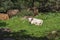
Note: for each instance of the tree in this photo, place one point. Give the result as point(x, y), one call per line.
point(5, 5)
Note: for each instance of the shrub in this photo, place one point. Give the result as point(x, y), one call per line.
point(25, 13)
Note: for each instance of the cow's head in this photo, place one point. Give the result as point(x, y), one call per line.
point(30, 19)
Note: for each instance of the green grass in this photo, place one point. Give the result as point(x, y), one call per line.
point(51, 22)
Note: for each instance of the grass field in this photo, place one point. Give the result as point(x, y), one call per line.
point(51, 22)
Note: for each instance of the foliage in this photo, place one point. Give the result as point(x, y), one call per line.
point(44, 5)
point(25, 13)
point(5, 5)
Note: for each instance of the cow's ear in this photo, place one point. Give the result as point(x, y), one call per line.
point(31, 19)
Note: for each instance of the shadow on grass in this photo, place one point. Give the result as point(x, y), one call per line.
point(21, 35)
point(3, 24)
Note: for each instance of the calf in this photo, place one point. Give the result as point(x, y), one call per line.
point(35, 21)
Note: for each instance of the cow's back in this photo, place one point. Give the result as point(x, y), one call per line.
point(4, 16)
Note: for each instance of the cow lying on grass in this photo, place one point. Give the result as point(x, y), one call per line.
point(35, 21)
point(4, 16)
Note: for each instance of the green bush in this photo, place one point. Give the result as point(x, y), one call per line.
point(25, 13)
point(2, 9)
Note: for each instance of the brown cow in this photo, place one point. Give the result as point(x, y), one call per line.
point(35, 10)
point(4, 16)
point(12, 12)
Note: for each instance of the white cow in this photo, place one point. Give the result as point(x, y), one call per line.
point(35, 21)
